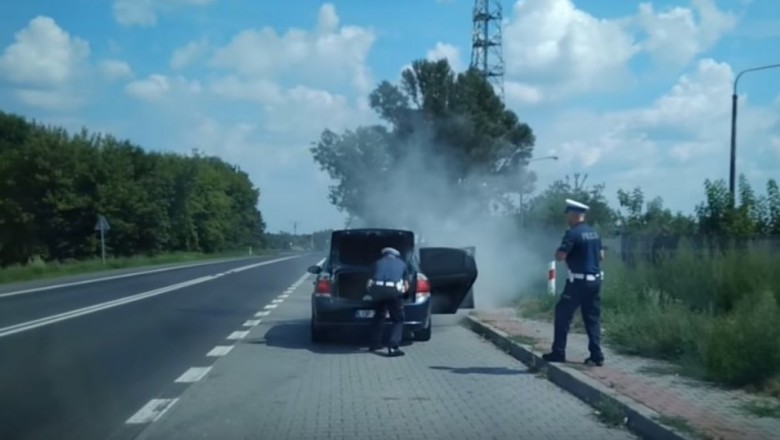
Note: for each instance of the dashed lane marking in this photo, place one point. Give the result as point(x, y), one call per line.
point(271, 306)
point(151, 411)
point(238, 335)
point(262, 313)
point(277, 301)
point(194, 374)
point(219, 350)
point(252, 322)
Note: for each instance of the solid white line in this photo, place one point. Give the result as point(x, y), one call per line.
point(261, 314)
point(238, 335)
point(151, 411)
point(277, 301)
point(25, 326)
point(271, 306)
point(252, 322)
point(193, 375)
point(219, 350)
point(111, 278)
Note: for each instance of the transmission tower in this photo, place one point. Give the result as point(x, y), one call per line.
point(487, 42)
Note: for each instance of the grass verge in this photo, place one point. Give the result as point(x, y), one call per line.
point(715, 314)
point(39, 269)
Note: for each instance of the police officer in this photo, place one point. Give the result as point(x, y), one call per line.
point(581, 248)
point(387, 286)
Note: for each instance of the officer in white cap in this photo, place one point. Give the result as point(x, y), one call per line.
point(387, 286)
point(582, 251)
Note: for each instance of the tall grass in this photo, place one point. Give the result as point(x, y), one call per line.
point(716, 311)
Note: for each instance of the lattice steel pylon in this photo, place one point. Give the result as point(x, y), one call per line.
point(487, 52)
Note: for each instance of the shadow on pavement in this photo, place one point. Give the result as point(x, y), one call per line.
point(295, 335)
point(498, 371)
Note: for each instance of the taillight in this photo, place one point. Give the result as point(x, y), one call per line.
point(423, 289)
point(322, 287)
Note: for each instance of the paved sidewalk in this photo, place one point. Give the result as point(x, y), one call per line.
point(691, 407)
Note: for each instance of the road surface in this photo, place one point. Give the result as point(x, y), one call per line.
point(77, 360)
point(274, 384)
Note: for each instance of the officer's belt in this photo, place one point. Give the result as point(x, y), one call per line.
point(587, 277)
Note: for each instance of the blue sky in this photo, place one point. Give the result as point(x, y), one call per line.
point(630, 93)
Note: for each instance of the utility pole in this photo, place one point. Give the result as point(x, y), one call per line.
point(487, 53)
point(295, 227)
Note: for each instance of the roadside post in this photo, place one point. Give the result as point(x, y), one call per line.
point(551, 278)
point(102, 226)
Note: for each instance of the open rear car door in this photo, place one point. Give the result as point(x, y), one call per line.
point(452, 273)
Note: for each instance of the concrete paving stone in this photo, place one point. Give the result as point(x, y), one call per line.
point(276, 385)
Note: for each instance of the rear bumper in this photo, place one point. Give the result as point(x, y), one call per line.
point(330, 313)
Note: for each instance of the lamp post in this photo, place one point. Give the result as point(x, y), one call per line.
point(734, 100)
point(522, 198)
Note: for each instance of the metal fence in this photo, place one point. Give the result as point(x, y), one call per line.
point(633, 248)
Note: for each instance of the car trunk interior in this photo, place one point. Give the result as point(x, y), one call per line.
point(358, 252)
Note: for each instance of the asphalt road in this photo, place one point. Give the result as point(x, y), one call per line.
point(81, 375)
point(274, 384)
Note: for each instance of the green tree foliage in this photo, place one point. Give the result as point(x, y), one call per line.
point(438, 123)
point(546, 209)
point(55, 184)
point(636, 216)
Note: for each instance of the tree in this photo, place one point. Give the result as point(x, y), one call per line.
point(546, 210)
point(55, 184)
point(650, 218)
point(452, 130)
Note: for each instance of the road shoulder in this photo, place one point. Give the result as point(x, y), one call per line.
point(651, 401)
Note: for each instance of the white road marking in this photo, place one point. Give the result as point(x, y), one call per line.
point(252, 322)
point(112, 277)
point(151, 411)
point(271, 306)
point(286, 295)
point(193, 375)
point(261, 314)
point(48, 320)
point(219, 350)
point(277, 301)
point(238, 335)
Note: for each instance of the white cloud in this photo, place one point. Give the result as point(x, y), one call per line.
point(670, 146)
point(329, 51)
point(155, 87)
point(46, 64)
point(674, 37)
point(144, 12)
point(446, 51)
point(43, 54)
point(558, 50)
point(115, 69)
point(184, 56)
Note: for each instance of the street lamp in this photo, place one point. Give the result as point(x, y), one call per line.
point(522, 201)
point(734, 99)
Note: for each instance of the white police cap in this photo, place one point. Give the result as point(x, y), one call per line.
point(391, 251)
point(575, 206)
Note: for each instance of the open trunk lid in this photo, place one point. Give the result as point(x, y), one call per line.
point(361, 247)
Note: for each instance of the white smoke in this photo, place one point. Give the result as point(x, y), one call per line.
point(421, 196)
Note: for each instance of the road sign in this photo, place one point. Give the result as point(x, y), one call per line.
point(102, 224)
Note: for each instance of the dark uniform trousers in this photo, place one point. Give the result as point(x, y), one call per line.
point(586, 295)
point(387, 300)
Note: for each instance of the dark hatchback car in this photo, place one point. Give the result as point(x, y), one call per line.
point(441, 282)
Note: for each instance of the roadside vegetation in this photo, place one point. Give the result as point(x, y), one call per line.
point(160, 207)
point(702, 291)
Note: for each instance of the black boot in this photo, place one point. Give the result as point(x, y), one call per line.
point(394, 352)
point(554, 358)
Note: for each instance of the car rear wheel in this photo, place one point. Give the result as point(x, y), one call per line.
point(317, 335)
point(424, 334)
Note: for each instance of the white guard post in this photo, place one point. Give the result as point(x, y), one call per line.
point(551, 278)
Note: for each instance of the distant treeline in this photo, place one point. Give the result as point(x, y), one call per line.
point(53, 186)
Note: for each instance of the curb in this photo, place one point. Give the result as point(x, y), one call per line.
point(639, 419)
